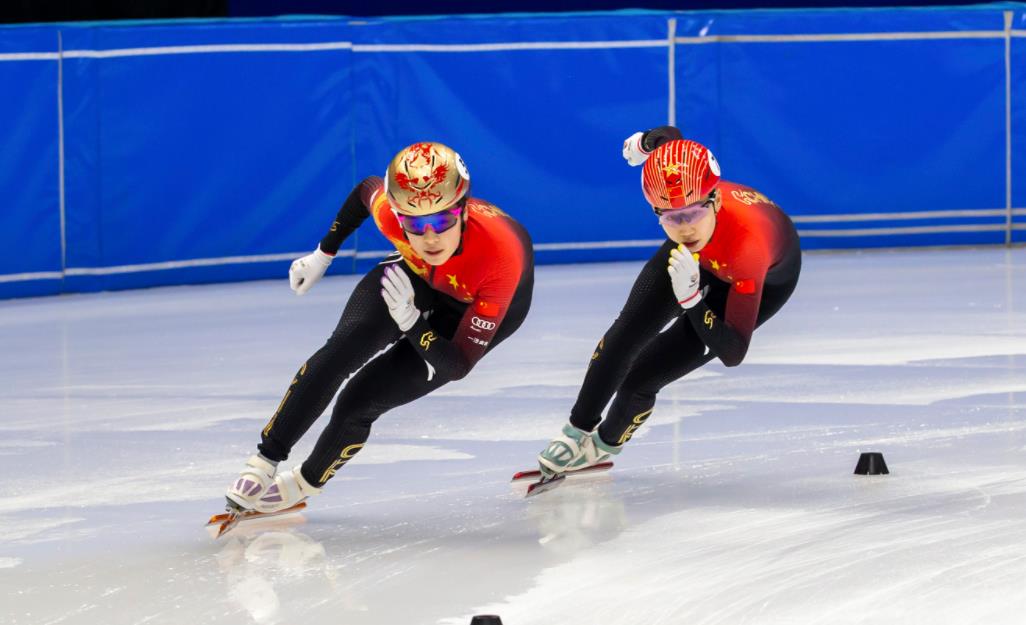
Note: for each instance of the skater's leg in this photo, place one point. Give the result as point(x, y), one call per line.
point(650, 306)
point(670, 356)
point(397, 377)
point(364, 329)
point(394, 378)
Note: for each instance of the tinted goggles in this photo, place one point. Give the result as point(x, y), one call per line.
point(439, 222)
point(686, 214)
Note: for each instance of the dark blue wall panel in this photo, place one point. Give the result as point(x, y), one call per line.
point(219, 154)
point(1019, 127)
point(84, 178)
point(29, 165)
point(540, 130)
point(191, 156)
point(857, 127)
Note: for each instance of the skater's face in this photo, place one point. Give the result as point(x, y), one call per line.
point(436, 247)
point(694, 234)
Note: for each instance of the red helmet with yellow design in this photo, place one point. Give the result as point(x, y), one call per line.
point(426, 178)
point(679, 173)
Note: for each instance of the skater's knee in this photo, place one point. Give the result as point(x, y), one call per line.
point(355, 413)
point(640, 391)
point(365, 419)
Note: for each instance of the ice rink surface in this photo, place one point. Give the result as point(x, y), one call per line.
point(124, 416)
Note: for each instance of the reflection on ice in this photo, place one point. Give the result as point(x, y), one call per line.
point(581, 517)
point(260, 557)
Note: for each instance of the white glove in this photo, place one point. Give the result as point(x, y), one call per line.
point(684, 276)
point(632, 150)
point(397, 291)
point(306, 271)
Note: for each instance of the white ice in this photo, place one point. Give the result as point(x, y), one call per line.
point(124, 416)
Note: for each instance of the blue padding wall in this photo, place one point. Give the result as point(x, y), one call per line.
point(202, 157)
point(146, 154)
point(859, 128)
point(540, 129)
point(1018, 123)
point(30, 216)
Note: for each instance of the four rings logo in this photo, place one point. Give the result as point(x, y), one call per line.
point(482, 323)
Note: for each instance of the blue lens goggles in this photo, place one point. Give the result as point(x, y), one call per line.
point(439, 222)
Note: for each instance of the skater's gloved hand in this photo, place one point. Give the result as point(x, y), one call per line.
point(397, 291)
point(633, 152)
point(306, 271)
point(684, 275)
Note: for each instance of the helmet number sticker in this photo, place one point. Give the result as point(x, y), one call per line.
point(461, 167)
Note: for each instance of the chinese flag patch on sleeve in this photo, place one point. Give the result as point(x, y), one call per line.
point(745, 287)
point(486, 309)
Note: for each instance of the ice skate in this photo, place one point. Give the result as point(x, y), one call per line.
point(564, 450)
point(594, 452)
point(574, 451)
point(288, 490)
point(259, 493)
point(252, 483)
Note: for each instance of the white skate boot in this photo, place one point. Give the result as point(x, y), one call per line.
point(574, 450)
point(289, 488)
point(252, 483)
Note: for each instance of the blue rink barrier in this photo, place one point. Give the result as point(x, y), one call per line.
point(142, 154)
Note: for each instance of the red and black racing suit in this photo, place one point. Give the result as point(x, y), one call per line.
point(473, 301)
point(748, 269)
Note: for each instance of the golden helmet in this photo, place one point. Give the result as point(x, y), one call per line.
point(426, 178)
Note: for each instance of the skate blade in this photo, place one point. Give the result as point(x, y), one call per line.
point(541, 486)
point(535, 473)
point(227, 520)
point(227, 525)
point(243, 515)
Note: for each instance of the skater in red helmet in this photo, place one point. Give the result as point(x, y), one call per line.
point(730, 261)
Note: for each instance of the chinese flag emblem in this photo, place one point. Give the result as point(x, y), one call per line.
point(486, 309)
point(745, 287)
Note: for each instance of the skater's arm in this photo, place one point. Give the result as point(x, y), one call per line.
point(454, 358)
point(639, 145)
point(651, 139)
point(727, 337)
point(730, 336)
point(354, 211)
point(307, 270)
